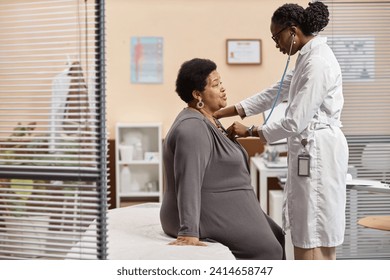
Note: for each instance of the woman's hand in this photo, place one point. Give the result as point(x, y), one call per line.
point(187, 241)
point(237, 130)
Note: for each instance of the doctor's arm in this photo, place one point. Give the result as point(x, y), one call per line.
point(314, 84)
point(264, 100)
point(240, 130)
point(229, 111)
point(258, 102)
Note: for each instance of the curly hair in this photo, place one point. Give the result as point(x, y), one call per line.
point(193, 76)
point(311, 20)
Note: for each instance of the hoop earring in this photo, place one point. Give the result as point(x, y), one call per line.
point(200, 104)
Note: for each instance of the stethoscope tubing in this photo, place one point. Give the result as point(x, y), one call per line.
point(281, 81)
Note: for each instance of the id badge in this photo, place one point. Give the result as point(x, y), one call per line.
point(304, 165)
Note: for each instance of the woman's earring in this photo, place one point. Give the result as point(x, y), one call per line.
point(200, 104)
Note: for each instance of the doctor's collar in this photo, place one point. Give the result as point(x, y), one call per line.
point(317, 40)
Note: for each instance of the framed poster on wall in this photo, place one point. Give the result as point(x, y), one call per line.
point(243, 51)
point(146, 60)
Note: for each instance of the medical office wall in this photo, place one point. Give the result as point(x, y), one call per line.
point(188, 28)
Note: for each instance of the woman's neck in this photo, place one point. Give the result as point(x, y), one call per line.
point(210, 117)
point(206, 114)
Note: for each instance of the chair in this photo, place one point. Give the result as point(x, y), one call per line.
point(371, 161)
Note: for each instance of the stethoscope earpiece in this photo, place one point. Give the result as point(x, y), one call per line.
point(293, 35)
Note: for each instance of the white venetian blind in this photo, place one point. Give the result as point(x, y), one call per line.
point(358, 34)
point(53, 145)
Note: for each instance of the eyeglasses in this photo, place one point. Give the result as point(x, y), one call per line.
point(276, 36)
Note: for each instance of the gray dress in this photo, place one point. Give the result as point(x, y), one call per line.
point(209, 193)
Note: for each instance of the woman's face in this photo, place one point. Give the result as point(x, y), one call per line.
point(214, 96)
point(283, 37)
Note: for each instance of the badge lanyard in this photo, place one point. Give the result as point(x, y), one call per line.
point(304, 161)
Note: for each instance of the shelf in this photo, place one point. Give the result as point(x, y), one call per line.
point(139, 194)
point(138, 164)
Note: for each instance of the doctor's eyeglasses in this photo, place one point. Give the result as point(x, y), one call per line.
point(276, 36)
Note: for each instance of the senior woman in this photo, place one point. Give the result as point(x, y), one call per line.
point(208, 191)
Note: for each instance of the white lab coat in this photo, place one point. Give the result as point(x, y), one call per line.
point(314, 206)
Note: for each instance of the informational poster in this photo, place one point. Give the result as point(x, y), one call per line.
point(356, 56)
point(146, 55)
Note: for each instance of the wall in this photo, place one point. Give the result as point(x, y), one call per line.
point(190, 28)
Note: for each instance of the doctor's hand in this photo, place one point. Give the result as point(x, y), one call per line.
point(237, 130)
point(187, 240)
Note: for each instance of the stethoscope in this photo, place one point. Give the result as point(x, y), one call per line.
point(281, 81)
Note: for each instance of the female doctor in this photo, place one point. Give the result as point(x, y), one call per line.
point(315, 191)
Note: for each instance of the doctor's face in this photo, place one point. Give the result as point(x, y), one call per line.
point(283, 37)
point(214, 96)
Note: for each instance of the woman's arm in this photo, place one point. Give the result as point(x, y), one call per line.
point(192, 149)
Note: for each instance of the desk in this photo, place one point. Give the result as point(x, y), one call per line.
point(368, 185)
point(257, 166)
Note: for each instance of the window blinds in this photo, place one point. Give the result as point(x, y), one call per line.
point(357, 33)
point(53, 145)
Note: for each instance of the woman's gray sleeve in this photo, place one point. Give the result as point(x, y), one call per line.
point(192, 152)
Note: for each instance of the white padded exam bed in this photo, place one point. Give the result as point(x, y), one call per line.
point(135, 233)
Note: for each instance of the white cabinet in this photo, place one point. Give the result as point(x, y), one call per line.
point(138, 165)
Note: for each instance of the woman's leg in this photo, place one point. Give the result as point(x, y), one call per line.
point(319, 253)
point(279, 233)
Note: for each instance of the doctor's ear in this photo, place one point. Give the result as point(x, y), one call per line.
point(293, 31)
